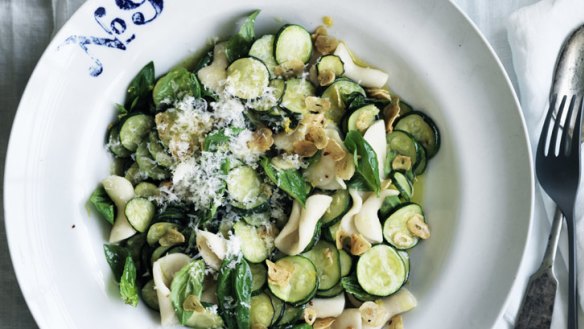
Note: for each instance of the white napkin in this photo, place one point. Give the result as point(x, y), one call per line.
point(535, 35)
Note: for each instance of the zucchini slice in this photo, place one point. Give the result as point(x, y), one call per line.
point(134, 131)
point(294, 98)
point(403, 184)
point(339, 206)
point(395, 228)
point(263, 49)
point(247, 78)
point(140, 212)
point(291, 315)
point(423, 129)
point(332, 63)
point(332, 292)
point(245, 188)
point(270, 100)
point(362, 118)
point(254, 247)
point(301, 284)
point(278, 306)
point(390, 203)
point(381, 271)
point(406, 259)
point(402, 143)
point(261, 311)
point(148, 293)
point(293, 42)
point(259, 277)
point(336, 94)
point(346, 262)
point(325, 256)
point(420, 167)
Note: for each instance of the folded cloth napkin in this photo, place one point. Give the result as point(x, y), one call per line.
point(535, 35)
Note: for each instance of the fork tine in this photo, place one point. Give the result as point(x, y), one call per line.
point(541, 146)
point(577, 132)
point(565, 138)
point(556, 128)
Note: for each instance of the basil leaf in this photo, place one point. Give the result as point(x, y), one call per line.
point(238, 45)
point(187, 284)
point(103, 204)
point(128, 287)
point(242, 281)
point(351, 286)
point(290, 180)
point(175, 85)
point(116, 257)
point(138, 92)
point(225, 292)
point(213, 140)
point(365, 160)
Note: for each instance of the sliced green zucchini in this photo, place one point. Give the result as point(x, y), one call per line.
point(158, 152)
point(115, 145)
point(403, 184)
point(302, 283)
point(140, 212)
point(404, 107)
point(259, 277)
point(331, 232)
point(257, 219)
point(346, 262)
point(339, 206)
point(332, 63)
point(395, 228)
point(134, 130)
point(294, 99)
point(423, 129)
point(253, 246)
point(159, 230)
point(278, 306)
point(263, 49)
point(247, 78)
point(146, 190)
point(245, 188)
point(315, 237)
point(268, 101)
point(325, 256)
point(291, 315)
point(402, 143)
point(293, 42)
point(261, 311)
point(389, 204)
point(406, 259)
point(362, 118)
point(336, 94)
point(149, 295)
point(420, 167)
point(148, 166)
point(332, 292)
point(381, 271)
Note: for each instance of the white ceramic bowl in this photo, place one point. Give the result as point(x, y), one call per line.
point(479, 188)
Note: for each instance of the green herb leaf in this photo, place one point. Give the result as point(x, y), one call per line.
point(238, 45)
point(116, 257)
point(242, 281)
point(365, 160)
point(140, 87)
point(187, 282)
point(351, 286)
point(122, 111)
point(103, 204)
point(290, 180)
point(226, 292)
point(175, 85)
point(219, 137)
point(128, 287)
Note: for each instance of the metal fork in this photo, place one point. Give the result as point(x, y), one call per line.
point(558, 172)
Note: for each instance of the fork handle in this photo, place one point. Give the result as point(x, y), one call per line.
point(572, 284)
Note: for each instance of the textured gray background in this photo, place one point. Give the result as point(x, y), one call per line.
point(26, 27)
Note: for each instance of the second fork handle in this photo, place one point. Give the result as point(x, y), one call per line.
point(573, 270)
